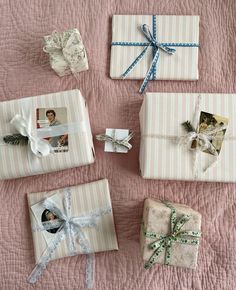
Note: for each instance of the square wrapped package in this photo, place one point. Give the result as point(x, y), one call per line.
point(66, 51)
point(90, 214)
point(58, 121)
point(162, 153)
point(170, 234)
point(176, 32)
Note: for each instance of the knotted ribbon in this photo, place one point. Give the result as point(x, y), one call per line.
point(121, 142)
point(203, 140)
point(157, 46)
point(176, 235)
point(66, 46)
point(38, 146)
point(70, 229)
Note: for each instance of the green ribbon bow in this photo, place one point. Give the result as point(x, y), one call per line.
point(164, 242)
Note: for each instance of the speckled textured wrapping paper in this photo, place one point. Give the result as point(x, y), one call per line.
point(156, 218)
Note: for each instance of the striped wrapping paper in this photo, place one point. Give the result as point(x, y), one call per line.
point(183, 65)
point(162, 114)
point(18, 160)
point(85, 198)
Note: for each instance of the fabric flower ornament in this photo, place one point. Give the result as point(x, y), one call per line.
point(66, 51)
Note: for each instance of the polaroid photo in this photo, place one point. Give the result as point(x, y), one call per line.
point(215, 126)
point(44, 215)
point(53, 121)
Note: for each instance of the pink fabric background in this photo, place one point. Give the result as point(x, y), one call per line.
point(25, 71)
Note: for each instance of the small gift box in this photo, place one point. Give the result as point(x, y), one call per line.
point(71, 221)
point(188, 137)
point(116, 140)
point(44, 134)
point(66, 51)
point(159, 47)
point(170, 234)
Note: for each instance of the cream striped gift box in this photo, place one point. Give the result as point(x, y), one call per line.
point(85, 199)
point(183, 65)
point(161, 116)
point(18, 161)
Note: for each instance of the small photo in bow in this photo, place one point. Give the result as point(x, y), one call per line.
point(215, 127)
point(52, 126)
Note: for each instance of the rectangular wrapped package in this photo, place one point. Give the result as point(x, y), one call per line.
point(57, 134)
point(170, 234)
point(90, 204)
point(166, 149)
point(169, 32)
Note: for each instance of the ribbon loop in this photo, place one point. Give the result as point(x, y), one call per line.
point(38, 146)
point(112, 139)
point(71, 230)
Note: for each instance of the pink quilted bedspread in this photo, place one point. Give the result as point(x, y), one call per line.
point(25, 71)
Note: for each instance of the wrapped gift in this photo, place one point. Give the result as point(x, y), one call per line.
point(44, 133)
point(170, 234)
point(71, 221)
point(168, 151)
point(66, 51)
point(160, 47)
point(116, 140)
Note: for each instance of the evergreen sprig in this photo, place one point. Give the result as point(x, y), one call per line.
point(188, 126)
point(16, 139)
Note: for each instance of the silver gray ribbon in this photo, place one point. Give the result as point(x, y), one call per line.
point(69, 229)
point(120, 142)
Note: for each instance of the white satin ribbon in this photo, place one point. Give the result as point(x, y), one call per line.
point(38, 146)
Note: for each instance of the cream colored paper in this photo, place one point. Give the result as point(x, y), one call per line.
point(183, 65)
point(71, 58)
point(156, 218)
point(85, 198)
point(18, 161)
point(161, 158)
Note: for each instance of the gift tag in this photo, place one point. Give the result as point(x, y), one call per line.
point(118, 134)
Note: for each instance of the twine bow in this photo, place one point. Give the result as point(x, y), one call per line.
point(156, 47)
point(112, 139)
point(176, 235)
point(69, 229)
point(38, 146)
point(67, 45)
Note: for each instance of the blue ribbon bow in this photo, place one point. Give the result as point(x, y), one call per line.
point(157, 46)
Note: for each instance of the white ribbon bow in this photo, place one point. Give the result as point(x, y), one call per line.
point(70, 229)
point(38, 146)
point(203, 142)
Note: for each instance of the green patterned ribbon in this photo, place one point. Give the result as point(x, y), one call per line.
point(164, 242)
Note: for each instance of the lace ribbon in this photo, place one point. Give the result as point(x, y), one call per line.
point(203, 140)
point(69, 229)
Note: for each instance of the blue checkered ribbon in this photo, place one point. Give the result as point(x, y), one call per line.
point(156, 46)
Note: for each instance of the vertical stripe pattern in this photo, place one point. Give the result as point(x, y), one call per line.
point(183, 65)
point(161, 158)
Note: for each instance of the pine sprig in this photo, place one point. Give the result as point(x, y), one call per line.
point(16, 139)
point(188, 126)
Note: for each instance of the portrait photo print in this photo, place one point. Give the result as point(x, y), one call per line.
point(53, 119)
point(208, 123)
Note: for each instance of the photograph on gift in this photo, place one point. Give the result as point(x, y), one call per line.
point(215, 126)
point(54, 117)
point(48, 216)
